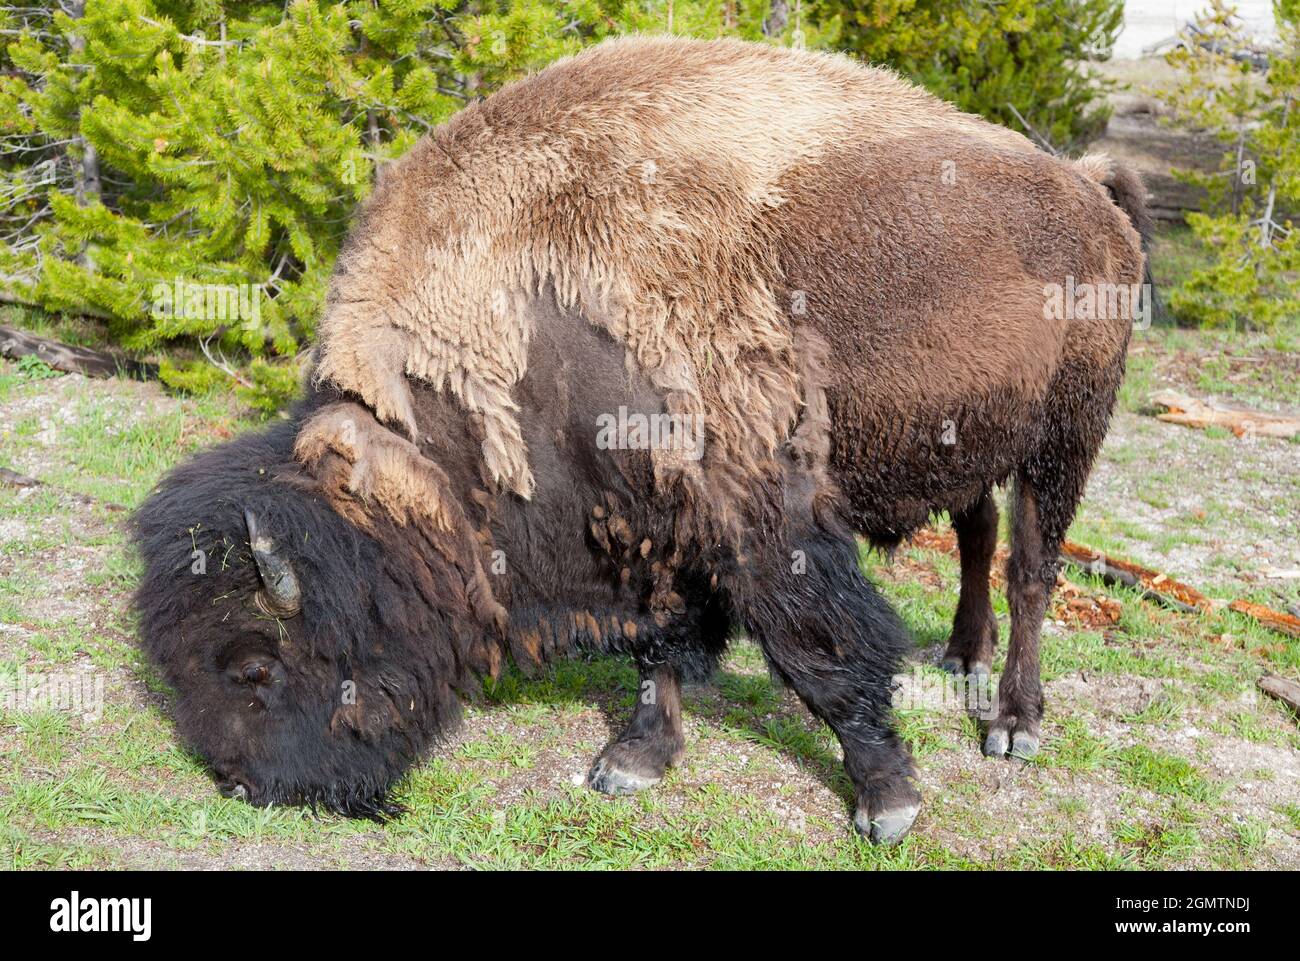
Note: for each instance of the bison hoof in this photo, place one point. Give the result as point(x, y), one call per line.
point(887, 828)
point(1024, 746)
point(1020, 746)
point(634, 764)
point(957, 665)
point(606, 778)
point(995, 745)
point(233, 789)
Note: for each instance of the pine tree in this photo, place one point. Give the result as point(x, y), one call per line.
point(1253, 279)
point(186, 169)
point(1020, 63)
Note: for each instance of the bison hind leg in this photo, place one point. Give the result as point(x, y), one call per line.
point(1031, 575)
point(975, 627)
point(653, 740)
point(1046, 495)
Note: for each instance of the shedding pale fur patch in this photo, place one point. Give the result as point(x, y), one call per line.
point(386, 468)
point(360, 463)
point(635, 181)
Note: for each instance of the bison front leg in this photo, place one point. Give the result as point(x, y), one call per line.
point(653, 740)
point(836, 641)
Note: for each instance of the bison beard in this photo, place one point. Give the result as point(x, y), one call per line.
point(862, 334)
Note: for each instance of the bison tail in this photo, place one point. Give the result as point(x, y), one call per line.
point(1129, 194)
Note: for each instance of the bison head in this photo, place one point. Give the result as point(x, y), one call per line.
point(306, 663)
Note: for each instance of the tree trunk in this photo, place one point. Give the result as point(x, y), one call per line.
point(88, 186)
point(778, 18)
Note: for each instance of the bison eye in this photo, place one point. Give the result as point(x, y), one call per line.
point(253, 668)
point(259, 674)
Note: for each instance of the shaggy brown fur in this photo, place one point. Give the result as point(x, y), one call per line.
point(842, 276)
point(654, 182)
point(933, 294)
point(929, 269)
point(643, 179)
point(727, 210)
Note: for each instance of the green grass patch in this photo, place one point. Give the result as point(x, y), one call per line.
point(1143, 767)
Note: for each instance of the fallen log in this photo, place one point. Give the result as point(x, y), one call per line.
point(1172, 593)
point(1243, 422)
point(1286, 691)
point(1073, 600)
point(16, 344)
point(1279, 621)
point(1152, 585)
point(10, 478)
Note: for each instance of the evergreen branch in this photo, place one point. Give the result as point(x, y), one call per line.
point(223, 364)
point(1042, 141)
point(37, 148)
point(198, 41)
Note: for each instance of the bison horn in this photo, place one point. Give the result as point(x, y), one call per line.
point(280, 595)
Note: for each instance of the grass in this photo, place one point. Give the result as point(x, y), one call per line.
point(1233, 373)
point(762, 785)
point(1153, 770)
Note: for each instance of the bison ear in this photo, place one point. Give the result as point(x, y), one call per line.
point(280, 595)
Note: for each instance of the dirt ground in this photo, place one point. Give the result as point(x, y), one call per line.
point(1158, 751)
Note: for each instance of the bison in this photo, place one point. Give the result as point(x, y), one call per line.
point(621, 359)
